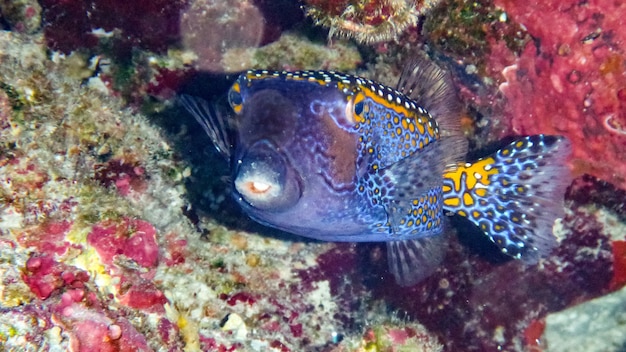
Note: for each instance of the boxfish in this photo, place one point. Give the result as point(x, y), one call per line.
point(337, 157)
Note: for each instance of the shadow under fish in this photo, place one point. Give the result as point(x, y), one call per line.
point(336, 157)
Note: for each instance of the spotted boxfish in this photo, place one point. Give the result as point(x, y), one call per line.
point(337, 157)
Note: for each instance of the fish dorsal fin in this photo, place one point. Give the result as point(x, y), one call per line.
point(211, 120)
point(411, 261)
point(431, 87)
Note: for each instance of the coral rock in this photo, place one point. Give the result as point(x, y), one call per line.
point(572, 80)
point(133, 238)
point(594, 326)
point(367, 21)
point(44, 275)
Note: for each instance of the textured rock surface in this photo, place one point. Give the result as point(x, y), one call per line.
point(594, 326)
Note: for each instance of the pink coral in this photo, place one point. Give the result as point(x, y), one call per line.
point(571, 80)
point(91, 329)
point(48, 238)
point(176, 251)
point(136, 240)
point(127, 175)
point(619, 265)
point(140, 293)
point(131, 237)
point(44, 275)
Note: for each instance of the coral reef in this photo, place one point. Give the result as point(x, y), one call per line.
point(242, 25)
point(293, 52)
point(512, 70)
point(243, 28)
point(147, 65)
point(23, 16)
point(146, 24)
point(571, 80)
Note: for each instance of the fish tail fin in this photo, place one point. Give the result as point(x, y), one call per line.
point(514, 195)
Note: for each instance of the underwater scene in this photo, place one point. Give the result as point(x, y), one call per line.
point(313, 175)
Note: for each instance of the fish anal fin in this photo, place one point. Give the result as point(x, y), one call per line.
point(411, 261)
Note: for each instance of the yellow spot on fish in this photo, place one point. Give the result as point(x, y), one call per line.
point(467, 199)
point(481, 192)
point(420, 128)
point(452, 201)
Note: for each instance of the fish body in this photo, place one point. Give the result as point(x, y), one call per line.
point(338, 157)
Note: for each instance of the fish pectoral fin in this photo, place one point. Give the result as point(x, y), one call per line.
point(211, 121)
point(411, 261)
point(413, 202)
point(416, 174)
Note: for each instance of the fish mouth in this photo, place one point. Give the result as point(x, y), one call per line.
point(265, 179)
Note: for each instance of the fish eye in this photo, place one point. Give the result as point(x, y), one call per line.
point(234, 98)
point(258, 187)
point(265, 179)
point(358, 107)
